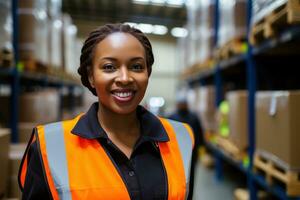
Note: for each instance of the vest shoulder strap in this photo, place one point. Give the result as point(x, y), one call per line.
point(185, 140)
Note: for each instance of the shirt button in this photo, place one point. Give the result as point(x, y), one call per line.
point(131, 173)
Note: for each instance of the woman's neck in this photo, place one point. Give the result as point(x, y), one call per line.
point(117, 123)
point(122, 129)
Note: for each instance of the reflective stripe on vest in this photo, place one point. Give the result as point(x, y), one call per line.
point(79, 168)
point(183, 139)
point(55, 145)
point(185, 145)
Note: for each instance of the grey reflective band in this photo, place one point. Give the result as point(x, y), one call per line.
point(56, 153)
point(185, 145)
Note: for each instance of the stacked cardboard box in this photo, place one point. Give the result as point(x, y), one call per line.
point(277, 127)
point(33, 29)
point(40, 107)
point(5, 39)
point(4, 148)
point(238, 118)
point(233, 20)
point(25, 130)
point(15, 157)
point(35, 108)
point(207, 109)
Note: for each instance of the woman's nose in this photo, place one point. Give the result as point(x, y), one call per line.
point(124, 76)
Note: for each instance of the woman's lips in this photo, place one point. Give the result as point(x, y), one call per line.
point(123, 96)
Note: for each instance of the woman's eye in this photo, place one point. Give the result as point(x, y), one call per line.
point(137, 67)
point(109, 68)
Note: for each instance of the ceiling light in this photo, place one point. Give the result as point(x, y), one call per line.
point(179, 32)
point(171, 3)
point(175, 3)
point(72, 29)
point(57, 23)
point(158, 2)
point(146, 28)
point(141, 1)
point(160, 30)
point(132, 24)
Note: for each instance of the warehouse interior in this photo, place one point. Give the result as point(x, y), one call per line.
point(234, 62)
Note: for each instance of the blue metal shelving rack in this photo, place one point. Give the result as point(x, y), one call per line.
point(13, 77)
point(248, 59)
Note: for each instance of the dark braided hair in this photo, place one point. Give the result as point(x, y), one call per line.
point(96, 36)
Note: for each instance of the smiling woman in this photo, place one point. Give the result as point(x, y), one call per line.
point(118, 149)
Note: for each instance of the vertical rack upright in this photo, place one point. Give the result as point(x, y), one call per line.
point(14, 105)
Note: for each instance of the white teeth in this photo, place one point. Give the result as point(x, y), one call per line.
point(123, 94)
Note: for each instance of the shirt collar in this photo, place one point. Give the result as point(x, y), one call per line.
point(89, 127)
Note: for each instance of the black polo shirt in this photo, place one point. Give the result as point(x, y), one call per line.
point(143, 174)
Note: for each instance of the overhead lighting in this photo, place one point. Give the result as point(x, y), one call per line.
point(141, 1)
point(149, 28)
point(132, 24)
point(175, 3)
point(158, 2)
point(179, 32)
point(160, 30)
point(72, 29)
point(171, 3)
point(57, 23)
point(146, 28)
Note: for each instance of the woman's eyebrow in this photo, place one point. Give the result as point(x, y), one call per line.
point(137, 58)
point(108, 58)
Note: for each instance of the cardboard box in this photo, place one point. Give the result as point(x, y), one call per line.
point(206, 108)
point(4, 148)
point(238, 118)
point(13, 188)
point(277, 127)
point(15, 157)
point(39, 107)
point(25, 131)
point(35, 107)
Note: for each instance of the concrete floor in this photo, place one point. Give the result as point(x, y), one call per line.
point(206, 186)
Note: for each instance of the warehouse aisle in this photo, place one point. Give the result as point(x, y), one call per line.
point(207, 188)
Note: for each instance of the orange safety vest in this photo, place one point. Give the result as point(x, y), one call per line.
point(71, 163)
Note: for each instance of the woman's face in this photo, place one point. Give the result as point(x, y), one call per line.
point(119, 72)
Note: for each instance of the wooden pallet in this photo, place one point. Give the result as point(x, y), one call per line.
point(230, 148)
point(232, 48)
point(274, 173)
point(272, 24)
point(6, 58)
point(197, 68)
point(29, 65)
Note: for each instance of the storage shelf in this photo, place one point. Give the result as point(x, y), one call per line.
point(226, 157)
point(275, 190)
point(47, 80)
point(232, 62)
point(33, 78)
point(202, 77)
point(251, 74)
point(6, 72)
point(283, 38)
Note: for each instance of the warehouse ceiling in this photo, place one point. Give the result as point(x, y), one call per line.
point(97, 12)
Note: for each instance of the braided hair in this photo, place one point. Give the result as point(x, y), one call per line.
point(96, 36)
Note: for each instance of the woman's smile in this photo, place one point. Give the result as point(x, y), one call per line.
point(123, 95)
